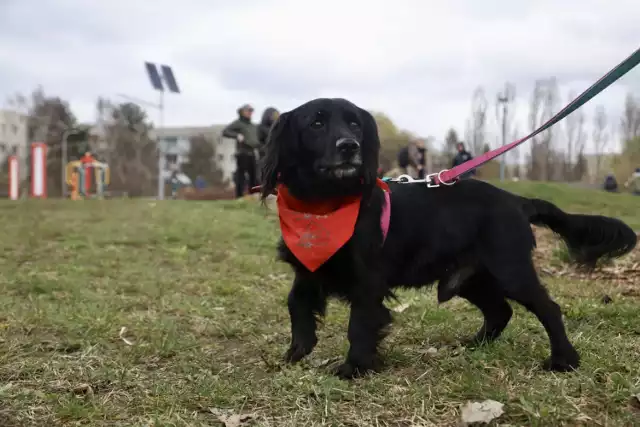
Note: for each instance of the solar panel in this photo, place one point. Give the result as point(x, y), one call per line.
point(154, 76)
point(169, 79)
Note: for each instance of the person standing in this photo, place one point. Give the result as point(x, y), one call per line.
point(246, 135)
point(420, 158)
point(610, 183)
point(634, 182)
point(269, 117)
point(463, 156)
point(412, 159)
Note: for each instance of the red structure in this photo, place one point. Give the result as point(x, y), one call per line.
point(39, 170)
point(87, 159)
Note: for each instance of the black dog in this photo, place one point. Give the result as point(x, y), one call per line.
point(473, 238)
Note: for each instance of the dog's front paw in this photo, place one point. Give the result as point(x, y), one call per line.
point(564, 364)
point(297, 352)
point(350, 369)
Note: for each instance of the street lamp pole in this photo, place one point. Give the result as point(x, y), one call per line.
point(504, 99)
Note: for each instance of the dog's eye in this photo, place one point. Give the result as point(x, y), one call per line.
point(317, 124)
point(354, 125)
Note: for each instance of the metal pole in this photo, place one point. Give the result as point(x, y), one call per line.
point(505, 99)
point(65, 137)
point(504, 138)
point(161, 159)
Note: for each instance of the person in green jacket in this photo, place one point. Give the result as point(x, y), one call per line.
point(246, 135)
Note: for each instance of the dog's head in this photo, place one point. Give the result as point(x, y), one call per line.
point(322, 149)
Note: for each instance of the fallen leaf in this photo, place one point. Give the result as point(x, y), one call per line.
point(232, 420)
point(431, 351)
point(401, 307)
point(122, 337)
point(481, 412)
point(83, 390)
point(236, 420)
point(324, 362)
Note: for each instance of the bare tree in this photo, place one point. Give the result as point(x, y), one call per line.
point(600, 136)
point(630, 123)
point(515, 153)
point(544, 158)
point(575, 139)
point(128, 148)
point(554, 158)
point(475, 132)
point(202, 154)
point(535, 119)
point(505, 114)
point(451, 140)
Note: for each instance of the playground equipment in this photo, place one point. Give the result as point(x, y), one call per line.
point(39, 170)
point(78, 177)
point(14, 178)
point(78, 174)
point(38, 187)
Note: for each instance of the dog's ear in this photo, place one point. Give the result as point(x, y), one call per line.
point(370, 147)
point(279, 137)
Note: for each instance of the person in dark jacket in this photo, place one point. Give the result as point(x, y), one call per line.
point(246, 135)
point(610, 183)
point(200, 183)
point(412, 159)
point(463, 156)
point(269, 117)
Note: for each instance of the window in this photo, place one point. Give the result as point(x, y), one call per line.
point(3, 128)
point(3, 148)
point(220, 158)
point(171, 159)
point(14, 129)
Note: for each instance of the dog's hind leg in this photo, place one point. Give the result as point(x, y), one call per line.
point(482, 290)
point(306, 303)
point(521, 284)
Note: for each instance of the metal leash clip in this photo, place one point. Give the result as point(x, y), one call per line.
point(428, 179)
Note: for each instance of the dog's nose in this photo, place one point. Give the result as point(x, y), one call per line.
point(347, 145)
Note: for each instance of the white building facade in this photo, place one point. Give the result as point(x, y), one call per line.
point(13, 138)
point(176, 145)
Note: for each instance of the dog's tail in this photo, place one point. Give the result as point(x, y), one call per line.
point(588, 237)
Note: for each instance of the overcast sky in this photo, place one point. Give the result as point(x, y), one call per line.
point(418, 61)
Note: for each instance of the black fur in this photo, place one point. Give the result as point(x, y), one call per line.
point(472, 238)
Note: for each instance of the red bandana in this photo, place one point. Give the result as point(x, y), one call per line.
point(314, 232)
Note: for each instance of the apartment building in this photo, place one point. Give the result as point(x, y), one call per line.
point(13, 138)
point(176, 146)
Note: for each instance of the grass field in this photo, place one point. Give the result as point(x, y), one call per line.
point(203, 304)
